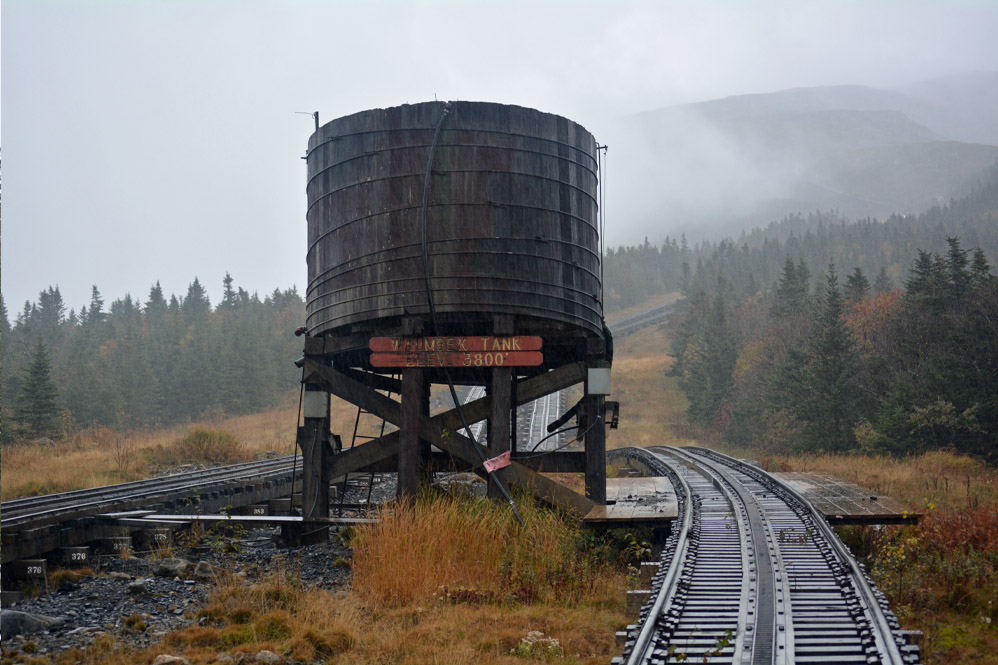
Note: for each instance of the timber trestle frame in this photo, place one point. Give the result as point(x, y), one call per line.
point(408, 449)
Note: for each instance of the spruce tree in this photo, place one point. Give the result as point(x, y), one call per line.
point(980, 271)
point(96, 315)
point(956, 268)
point(4, 323)
point(882, 284)
point(156, 306)
point(828, 401)
point(228, 294)
point(857, 286)
point(37, 405)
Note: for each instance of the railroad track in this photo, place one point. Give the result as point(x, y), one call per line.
point(36, 525)
point(643, 319)
point(752, 574)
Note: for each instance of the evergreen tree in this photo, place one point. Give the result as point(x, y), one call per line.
point(826, 399)
point(196, 306)
point(4, 324)
point(956, 268)
point(96, 315)
point(228, 294)
point(923, 279)
point(980, 271)
point(857, 286)
point(37, 405)
point(51, 310)
point(707, 358)
point(803, 279)
point(882, 284)
point(792, 290)
point(156, 306)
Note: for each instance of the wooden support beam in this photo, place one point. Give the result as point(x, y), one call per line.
point(499, 420)
point(362, 456)
point(442, 429)
point(384, 407)
point(595, 429)
point(413, 396)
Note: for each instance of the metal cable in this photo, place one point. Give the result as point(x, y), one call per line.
point(433, 315)
point(578, 438)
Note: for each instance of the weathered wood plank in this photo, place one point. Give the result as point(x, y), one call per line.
point(413, 396)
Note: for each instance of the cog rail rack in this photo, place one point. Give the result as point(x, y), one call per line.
point(753, 574)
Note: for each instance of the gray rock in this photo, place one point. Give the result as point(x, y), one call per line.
point(170, 567)
point(138, 588)
point(13, 622)
point(223, 658)
point(204, 572)
point(268, 657)
point(167, 659)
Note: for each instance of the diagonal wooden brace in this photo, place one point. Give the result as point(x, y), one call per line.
point(442, 429)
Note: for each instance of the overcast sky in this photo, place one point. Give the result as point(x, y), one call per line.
point(148, 141)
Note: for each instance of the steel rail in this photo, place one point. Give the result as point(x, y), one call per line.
point(21, 512)
point(752, 635)
point(884, 634)
point(635, 322)
point(644, 643)
point(786, 592)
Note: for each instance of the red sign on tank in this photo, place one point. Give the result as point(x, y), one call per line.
point(454, 344)
point(478, 351)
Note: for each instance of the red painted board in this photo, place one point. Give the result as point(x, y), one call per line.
point(463, 344)
point(458, 359)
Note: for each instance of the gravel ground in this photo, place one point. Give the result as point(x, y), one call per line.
point(130, 587)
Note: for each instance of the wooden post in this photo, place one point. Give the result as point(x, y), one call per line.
point(499, 420)
point(594, 425)
point(313, 439)
point(501, 390)
point(413, 398)
point(595, 449)
point(425, 447)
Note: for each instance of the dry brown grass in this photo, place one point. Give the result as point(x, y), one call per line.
point(396, 612)
point(944, 479)
point(472, 550)
point(652, 409)
point(100, 456)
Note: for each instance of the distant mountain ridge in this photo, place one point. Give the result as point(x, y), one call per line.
point(860, 150)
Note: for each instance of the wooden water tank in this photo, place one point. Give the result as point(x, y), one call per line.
point(511, 220)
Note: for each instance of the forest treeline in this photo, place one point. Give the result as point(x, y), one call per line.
point(884, 249)
point(135, 364)
point(818, 334)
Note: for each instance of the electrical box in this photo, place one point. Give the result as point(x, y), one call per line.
point(599, 381)
point(315, 403)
